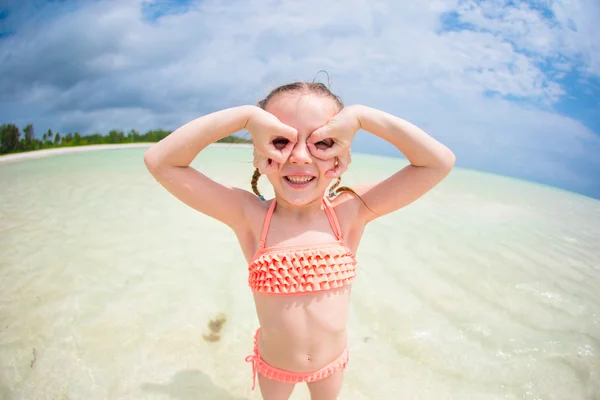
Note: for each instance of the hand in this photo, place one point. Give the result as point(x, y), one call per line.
point(273, 140)
point(334, 138)
point(340, 166)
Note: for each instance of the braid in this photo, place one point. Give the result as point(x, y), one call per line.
point(335, 191)
point(332, 189)
point(254, 183)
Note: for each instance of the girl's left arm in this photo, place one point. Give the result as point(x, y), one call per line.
point(430, 163)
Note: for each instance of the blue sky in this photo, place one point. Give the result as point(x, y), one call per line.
point(512, 87)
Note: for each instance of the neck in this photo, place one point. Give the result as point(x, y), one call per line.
point(296, 211)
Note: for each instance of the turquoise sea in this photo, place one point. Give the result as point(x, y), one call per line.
point(486, 288)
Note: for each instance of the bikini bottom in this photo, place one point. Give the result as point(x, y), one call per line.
point(261, 367)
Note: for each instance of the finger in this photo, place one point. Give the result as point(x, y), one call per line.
point(281, 132)
point(319, 134)
point(265, 165)
point(334, 172)
point(266, 152)
point(280, 144)
point(287, 132)
point(275, 155)
point(335, 150)
point(280, 155)
point(271, 167)
point(262, 168)
point(323, 133)
point(340, 166)
point(256, 160)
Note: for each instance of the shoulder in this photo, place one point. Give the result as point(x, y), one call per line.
point(248, 231)
point(353, 199)
point(348, 209)
point(255, 211)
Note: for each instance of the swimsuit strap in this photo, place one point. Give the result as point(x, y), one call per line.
point(333, 221)
point(265, 228)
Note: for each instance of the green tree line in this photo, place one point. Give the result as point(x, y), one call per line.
point(13, 140)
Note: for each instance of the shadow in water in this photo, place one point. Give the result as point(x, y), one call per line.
point(190, 385)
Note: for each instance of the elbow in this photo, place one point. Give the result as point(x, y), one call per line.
point(449, 159)
point(151, 161)
point(445, 160)
point(156, 165)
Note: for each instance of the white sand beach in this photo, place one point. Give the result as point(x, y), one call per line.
point(5, 158)
point(487, 288)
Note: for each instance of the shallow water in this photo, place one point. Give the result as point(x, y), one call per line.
point(486, 288)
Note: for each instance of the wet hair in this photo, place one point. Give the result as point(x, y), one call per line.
point(316, 88)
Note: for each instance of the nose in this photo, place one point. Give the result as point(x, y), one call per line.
point(300, 154)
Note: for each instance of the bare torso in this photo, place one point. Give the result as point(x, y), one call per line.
point(301, 332)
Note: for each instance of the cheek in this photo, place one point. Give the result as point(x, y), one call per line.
point(273, 180)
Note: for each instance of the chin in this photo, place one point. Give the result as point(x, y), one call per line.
point(301, 199)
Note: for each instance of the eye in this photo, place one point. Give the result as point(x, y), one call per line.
point(324, 144)
point(280, 143)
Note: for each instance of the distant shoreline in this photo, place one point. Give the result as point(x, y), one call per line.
point(27, 155)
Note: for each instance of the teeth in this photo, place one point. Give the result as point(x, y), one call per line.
point(299, 179)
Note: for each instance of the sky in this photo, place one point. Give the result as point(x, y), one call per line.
point(512, 87)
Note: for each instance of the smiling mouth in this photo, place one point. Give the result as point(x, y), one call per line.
point(299, 179)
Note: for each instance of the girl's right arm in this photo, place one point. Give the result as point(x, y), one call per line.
point(169, 161)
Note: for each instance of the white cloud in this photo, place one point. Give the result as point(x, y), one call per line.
point(103, 67)
point(570, 35)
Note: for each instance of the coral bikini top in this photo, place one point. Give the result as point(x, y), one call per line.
point(285, 270)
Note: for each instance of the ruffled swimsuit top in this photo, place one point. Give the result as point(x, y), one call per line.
point(288, 270)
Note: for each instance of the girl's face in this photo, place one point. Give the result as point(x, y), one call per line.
point(301, 180)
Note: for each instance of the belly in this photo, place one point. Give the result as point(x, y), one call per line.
point(303, 332)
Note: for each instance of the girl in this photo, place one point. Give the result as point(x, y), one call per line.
point(300, 246)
